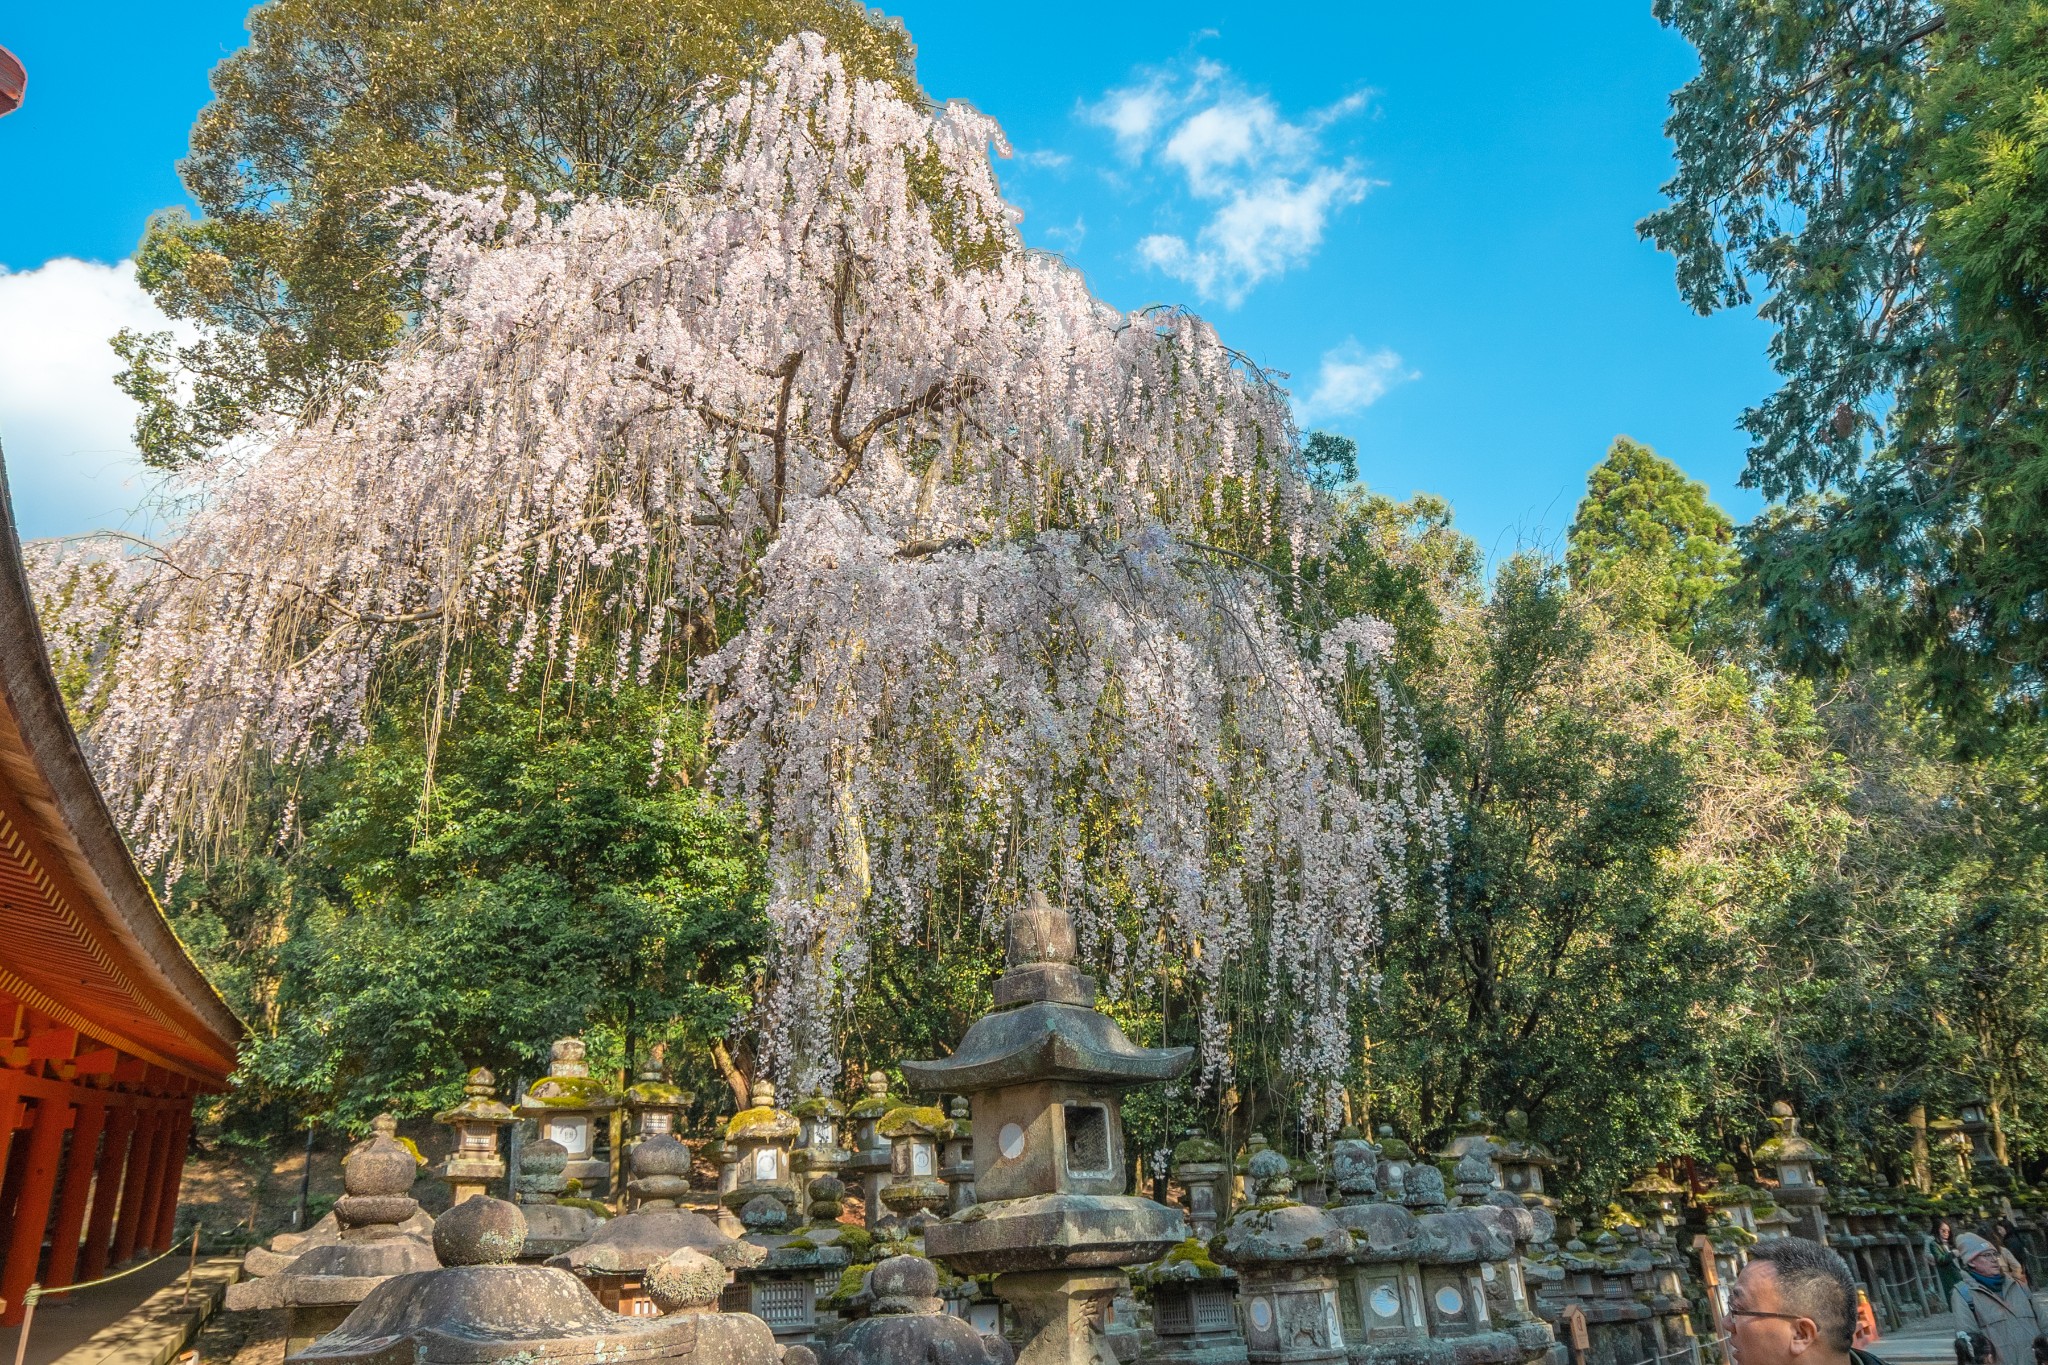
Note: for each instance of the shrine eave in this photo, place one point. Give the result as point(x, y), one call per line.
point(85, 948)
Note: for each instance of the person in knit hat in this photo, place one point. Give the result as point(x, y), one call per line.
point(1993, 1309)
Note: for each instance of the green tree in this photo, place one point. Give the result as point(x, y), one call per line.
point(296, 272)
point(1872, 169)
point(1650, 541)
point(552, 882)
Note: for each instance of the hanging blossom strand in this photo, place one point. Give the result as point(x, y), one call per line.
point(969, 514)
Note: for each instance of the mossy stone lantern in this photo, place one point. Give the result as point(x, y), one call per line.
point(565, 1106)
point(654, 1103)
point(1799, 1191)
point(474, 1166)
point(1044, 1073)
point(1521, 1161)
point(914, 1192)
point(870, 1163)
point(1202, 1168)
point(821, 1123)
point(759, 1141)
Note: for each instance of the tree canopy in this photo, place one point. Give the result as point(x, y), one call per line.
point(1871, 171)
point(297, 270)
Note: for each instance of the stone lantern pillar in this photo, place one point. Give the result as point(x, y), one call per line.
point(759, 1141)
point(1800, 1190)
point(869, 1167)
point(565, 1106)
point(1045, 1073)
point(725, 1157)
point(474, 1166)
point(956, 1157)
point(1202, 1169)
point(914, 1192)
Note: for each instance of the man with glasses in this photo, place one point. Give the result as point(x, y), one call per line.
point(1794, 1304)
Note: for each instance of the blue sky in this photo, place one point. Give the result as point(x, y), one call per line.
point(1425, 216)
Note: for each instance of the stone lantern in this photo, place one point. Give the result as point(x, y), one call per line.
point(1661, 1196)
point(552, 1227)
point(1287, 1257)
point(481, 1308)
point(1045, 1073)
point(801, 1265)
point(1202, 1169)
point(821, 1123)
point(615, 1261)
point(1194, 1308)
point(914, 1192)
point(759, 1142)
point(956, 1157)
point(565, 1106)
point(324, 1283)
point(653, 1103)
point(1397, 1158)
point(1521, 1161)
point(1974, 1122)
point(870, 1164)
point(1799, 1191)
point(474, 1166)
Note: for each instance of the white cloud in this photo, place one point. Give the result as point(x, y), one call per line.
point(1044, 159)
point(1350, 380)
point(1133, 116)
point(1263, 230)
point(71, 465)
point(1264, 183)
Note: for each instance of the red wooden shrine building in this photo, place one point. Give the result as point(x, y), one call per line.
point(107, 1030)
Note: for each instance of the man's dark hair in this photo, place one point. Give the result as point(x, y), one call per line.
point(1815, 1283)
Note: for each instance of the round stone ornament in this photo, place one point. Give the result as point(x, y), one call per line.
point(1011, 1139)
point(1385, 1302)
point(1449, 1301)
point(1262, 1314)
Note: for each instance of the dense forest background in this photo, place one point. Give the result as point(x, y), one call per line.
point(1738, 813)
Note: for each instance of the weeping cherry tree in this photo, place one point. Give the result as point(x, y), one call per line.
point(967, 567)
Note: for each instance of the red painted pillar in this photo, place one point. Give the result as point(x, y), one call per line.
point(141, 1153)
point(153, 1189)
point(174, 1176)
point(106, 1192)
point(71, 1195)
point(32, 1208)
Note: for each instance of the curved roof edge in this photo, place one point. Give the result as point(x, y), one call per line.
point(85, 836)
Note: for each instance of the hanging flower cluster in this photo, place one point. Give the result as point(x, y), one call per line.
point(990, 540)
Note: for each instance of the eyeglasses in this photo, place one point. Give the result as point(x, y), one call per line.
point(1758, 1313)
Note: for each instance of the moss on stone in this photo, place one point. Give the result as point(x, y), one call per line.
point(1195, 1253)
point(591, 1205)
point(908, 1118)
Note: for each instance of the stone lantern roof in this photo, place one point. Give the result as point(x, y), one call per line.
point(1045, 1026)
point(480, 1103)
